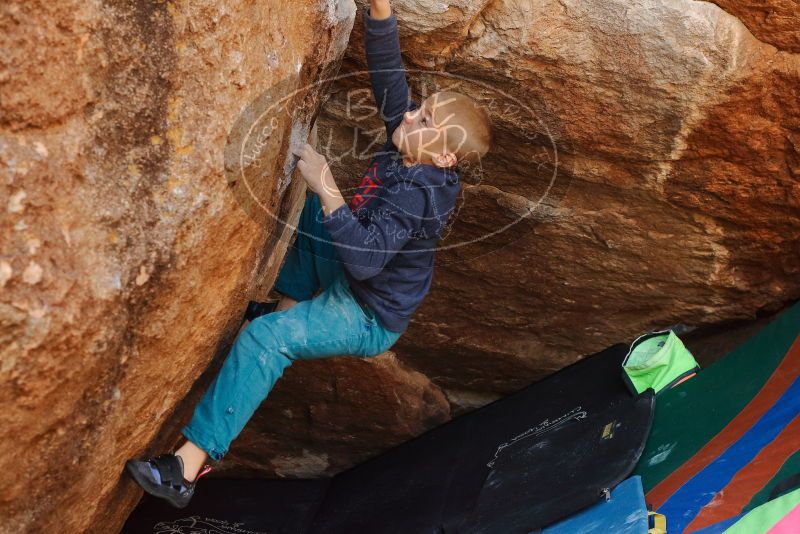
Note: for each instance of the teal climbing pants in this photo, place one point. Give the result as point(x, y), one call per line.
point(332, 323)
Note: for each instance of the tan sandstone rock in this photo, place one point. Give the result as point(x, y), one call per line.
point(127, 258)
point(771, 21)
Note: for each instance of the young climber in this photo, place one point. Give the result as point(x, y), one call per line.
point(372, 259)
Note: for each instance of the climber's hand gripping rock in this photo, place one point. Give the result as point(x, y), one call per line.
point(315, 170)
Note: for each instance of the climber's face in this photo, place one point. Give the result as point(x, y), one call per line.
point(421, 136)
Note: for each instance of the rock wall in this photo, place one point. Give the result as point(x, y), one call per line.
point(645, 174)
point(677, 133)
point(126, 258)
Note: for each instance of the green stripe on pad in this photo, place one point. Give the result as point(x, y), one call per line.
point(763, 518)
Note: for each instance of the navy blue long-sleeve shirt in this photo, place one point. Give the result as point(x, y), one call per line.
point(387, 234)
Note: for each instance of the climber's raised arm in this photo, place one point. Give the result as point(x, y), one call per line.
point(380, 9)
point(387, 72)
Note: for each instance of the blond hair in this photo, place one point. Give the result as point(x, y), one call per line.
point(467, 126)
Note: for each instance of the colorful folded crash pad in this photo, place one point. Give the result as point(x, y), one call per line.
point(720, 441)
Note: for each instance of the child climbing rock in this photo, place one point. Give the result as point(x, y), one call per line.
point(372, 258)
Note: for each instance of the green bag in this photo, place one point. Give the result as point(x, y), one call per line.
point(657, 360)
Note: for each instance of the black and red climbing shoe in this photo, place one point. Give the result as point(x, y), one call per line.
point(162, 477)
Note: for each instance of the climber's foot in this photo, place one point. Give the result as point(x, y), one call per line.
point(162, 477)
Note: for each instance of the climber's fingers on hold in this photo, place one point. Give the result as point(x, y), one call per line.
point(304, 151)
point(300, 151)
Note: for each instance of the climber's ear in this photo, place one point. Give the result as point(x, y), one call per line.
point(448, 159)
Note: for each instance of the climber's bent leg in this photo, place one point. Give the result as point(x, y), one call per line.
point(311, 262)
point(330, 324)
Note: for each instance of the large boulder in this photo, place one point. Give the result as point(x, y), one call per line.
point(126, 257)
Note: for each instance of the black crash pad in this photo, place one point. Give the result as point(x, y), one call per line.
point(442, 480)
point(538, 480)
point(235, 506)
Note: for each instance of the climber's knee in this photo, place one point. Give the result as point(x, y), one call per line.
point(259, 332)
point(263, 344)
